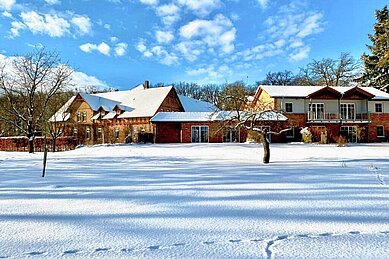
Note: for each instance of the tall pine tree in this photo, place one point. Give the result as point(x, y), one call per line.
point(376, 72)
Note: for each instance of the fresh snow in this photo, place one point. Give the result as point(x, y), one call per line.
point(197, 201)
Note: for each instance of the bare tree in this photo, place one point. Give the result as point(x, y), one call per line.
point(28, 84)
point(330, 72)
point(278, 78)
point(241, 114)
point(58, 111)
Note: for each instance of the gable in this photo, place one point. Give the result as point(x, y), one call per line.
point(325, 93)
point(171, 102)
point(357, 93)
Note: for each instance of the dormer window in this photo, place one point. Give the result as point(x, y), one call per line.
point(78, 116)
point(84, 117)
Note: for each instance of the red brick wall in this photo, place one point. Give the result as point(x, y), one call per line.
point(21, 144)
point(378, 119)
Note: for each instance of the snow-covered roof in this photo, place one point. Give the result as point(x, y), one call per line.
point(304, 91)
point(95, 102)
point(213, 116)
point(62, 114)
point(109, 116)
point(138, 102)
point(194, 105)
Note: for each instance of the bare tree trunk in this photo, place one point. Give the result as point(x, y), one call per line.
point(54, 144)
point(31, 144)
point(266, 149)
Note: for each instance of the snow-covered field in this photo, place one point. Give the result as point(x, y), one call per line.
point(197, 201)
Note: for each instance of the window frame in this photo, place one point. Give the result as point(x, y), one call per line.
point(78, 116)
point(375, 107)
point(383, 131)
point(87, 133)
point(116, 133)
point(199, 137)
point(286, 107)
point(83, 116)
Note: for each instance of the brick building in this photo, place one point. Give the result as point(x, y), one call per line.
point(361, 114)
point(121, 116)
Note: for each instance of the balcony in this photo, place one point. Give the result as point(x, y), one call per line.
point(321, 117)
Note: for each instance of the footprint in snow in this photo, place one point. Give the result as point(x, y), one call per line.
point(234, 240)
point(74, 251)
point(102, 249)
point(127, 250)
point(179, 244)
point(256, 240)
point(303, 235)
point(36, 253)
point(384, 232)
point(153, 248)
point(326, 234)
point(208, 242)
point(354, 232)
point(282, 237)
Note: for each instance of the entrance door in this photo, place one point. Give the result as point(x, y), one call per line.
point(231, 135)
point(200, 134)
point(350, 132)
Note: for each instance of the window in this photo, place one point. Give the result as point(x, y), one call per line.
point(200, 134)
point(380, 131)
point(316, 111)
point(347, 111)
point(78, 116)
point(116, 133)
point(99, 133)
point(75, 132)
point(84, 116)
point(87, 133)
point(231, 135)
point(378, 107)
point(288, 107)
point(290, 133)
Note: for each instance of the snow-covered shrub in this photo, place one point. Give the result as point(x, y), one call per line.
point(306, 135)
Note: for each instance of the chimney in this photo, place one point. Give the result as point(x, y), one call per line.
point(146, 85)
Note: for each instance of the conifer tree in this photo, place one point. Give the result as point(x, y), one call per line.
point(376, 72)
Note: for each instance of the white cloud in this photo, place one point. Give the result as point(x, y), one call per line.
point(169, 13)
point(201, 7)
point(217, 32)
point(191, 50)
point(114, 39)
point(7, 14)
point(311, 25)
point(211, 73)
point(16, 27)
point(83, 81)
point(52, 2)
point(103, 48)
point(164, 36)
point(82, 24)
point(300, 54)
point(6, 4)
point(263, 3)
point(120, 49)
point(159, 52)
point(149, 2)
point(53, 24)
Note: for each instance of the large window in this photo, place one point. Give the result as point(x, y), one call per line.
point(231, 135)
point(78, 116)
point(116, 133)
point(379, 108)
point(200, 134)
point(380, 131)
point(316, 111)
point(87, 133)
point(347, 111)
point(99, 133)
point(288, 107)
point(84, 116)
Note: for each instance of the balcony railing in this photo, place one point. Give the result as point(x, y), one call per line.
point(336, 117)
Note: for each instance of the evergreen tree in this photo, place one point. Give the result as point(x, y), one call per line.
point(376, 72)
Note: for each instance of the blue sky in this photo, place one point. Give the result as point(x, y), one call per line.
point(121, 43)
